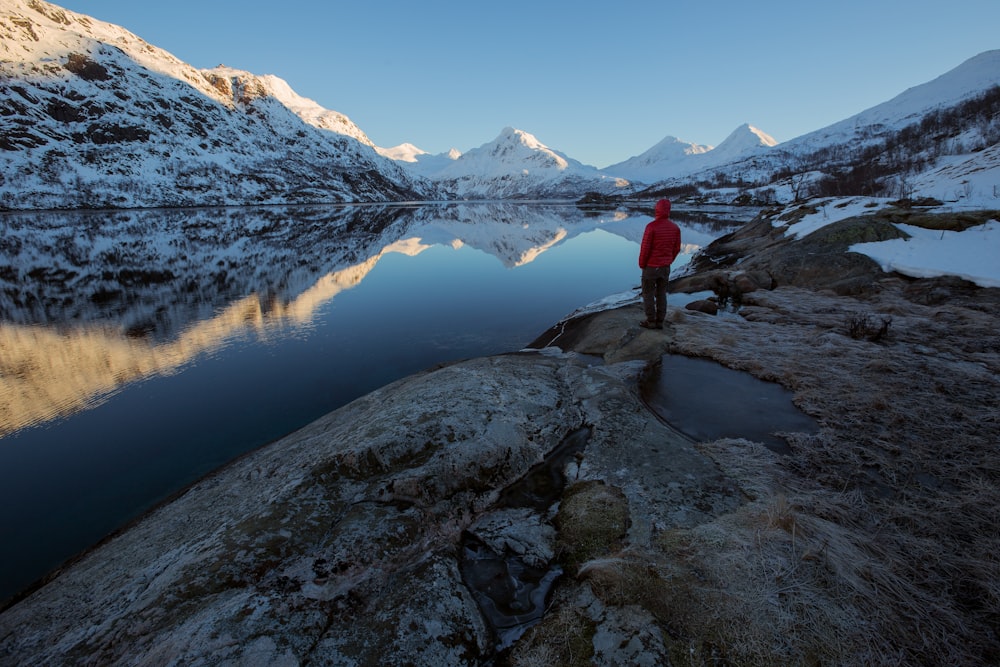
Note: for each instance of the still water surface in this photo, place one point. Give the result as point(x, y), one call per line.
point(143, 349)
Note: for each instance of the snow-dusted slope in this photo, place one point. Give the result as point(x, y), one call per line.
point(516, 164)
point(93, 116)
point(969, 79)
point(249, 86)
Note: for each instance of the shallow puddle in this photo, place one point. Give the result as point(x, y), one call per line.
point(511, 593)
point(706, 401)
point(544, 483)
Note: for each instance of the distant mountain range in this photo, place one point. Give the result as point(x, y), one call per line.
point(673, 157)
point(92, 116)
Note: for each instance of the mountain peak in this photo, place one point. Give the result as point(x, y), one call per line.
point(516, 163)
point(405, 152)
point(742, 140)
point(668, 155)
point(520, 137)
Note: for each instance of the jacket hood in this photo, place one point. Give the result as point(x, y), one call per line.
point(663, 208)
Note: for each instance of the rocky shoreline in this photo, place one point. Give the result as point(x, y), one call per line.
point(872, 542)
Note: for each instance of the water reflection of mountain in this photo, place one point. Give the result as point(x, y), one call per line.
point(152, 272)
point(90, 301)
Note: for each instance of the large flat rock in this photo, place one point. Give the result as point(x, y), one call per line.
point(339, 543)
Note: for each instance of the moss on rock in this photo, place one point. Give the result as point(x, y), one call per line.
point(592, 521)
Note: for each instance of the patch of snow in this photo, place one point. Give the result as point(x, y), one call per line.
point(830, 211)
point(971, 180)
point(971, 254)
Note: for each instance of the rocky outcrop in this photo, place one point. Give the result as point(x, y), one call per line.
point(399, 529)
point(340, 543)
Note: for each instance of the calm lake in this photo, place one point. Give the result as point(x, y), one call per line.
point(140, 350)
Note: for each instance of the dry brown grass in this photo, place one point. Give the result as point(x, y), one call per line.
point(877, 540)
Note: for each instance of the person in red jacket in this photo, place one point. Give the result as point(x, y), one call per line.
point(661, 243)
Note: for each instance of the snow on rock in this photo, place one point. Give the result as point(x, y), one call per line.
point(923, 253)
point(828, 211)
point(971, 254)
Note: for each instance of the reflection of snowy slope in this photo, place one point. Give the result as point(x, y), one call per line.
point(139, 293)
point(156, 271)
point(513, 233)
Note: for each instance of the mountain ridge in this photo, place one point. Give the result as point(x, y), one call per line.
point(94, 116)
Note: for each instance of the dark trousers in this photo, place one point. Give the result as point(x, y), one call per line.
point(654, 292)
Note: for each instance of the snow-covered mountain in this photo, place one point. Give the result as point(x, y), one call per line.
point(517, 165)
point(673, 157)
point(665, 159)
point(929, 140)
point(744, 141)
point(93, 116)
point(969, 79)
point(420, 161)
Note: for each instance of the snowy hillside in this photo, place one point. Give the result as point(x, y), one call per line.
point(934, 140)
point(744, 141)
point(518, 165)
point(969, 79)
point(93, 116)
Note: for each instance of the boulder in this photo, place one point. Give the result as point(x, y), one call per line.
point(706, 306)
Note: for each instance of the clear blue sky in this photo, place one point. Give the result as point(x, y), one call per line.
point(600, 81)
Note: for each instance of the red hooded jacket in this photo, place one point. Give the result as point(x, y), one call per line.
point(661, 242)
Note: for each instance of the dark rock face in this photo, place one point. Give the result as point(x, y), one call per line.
point(760, 256)
point(85, 68)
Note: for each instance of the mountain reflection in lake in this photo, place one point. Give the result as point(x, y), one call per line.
point(143, 349)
